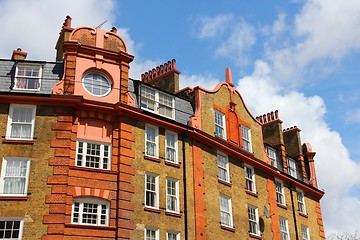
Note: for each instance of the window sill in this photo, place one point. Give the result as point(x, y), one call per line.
point(252, 235)
point(13, 198)
point(251, 193)
point(173, 214)
point(224, 182)
point(282, 206)
point(14, 141)
point(88, 169)
point(154, 159)
point(303, 215)
point(154, 210)
point(227, 228)
point(173, 164)
point(71, 225)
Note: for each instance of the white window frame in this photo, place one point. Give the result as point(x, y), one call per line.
point(280, 194)
point(154, 97)
point(152, 229)
point(154, 142)
point(11, 123)
point(223, 167)
point(174, 233)
point(36, 67)
point(220, 124)
point(274, 157)
point(253, 217)
point(82, 154)
point(12, 219)
point(154, 191)
point(171, 148)
point(246, 140)
point(305, 233)
point(5, 168)
point(79, 205)
point(284, 228)
point(292, 168)
point(301, 201)
point(172, 194)
point(226, 211)
point(91, 81)
point(250, 184)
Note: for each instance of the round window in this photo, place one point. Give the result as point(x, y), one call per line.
point(96, 84)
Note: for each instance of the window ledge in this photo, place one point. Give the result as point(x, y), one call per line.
point(227, 228)
point(303, 215)
point(252, 235)
point(88, 169)
point(70, 225)
point(224, 182)
point(282, 206)
point(173, 164)
point(173, 214)
point(154, 159)
point(154, 210)
point(13, 198)
point(251, 193)
point(14, 141)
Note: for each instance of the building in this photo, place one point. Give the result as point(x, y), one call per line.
point(88, 153)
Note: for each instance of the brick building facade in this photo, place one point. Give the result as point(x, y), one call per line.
point(88, 153)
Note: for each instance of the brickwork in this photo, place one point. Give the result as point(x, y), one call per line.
point(39, 153)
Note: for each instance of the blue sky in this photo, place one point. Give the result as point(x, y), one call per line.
point(300, 57)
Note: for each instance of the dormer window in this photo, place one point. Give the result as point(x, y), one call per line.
point(97, 84)
point(274, 158)
point(28, 77)
point(157, 102)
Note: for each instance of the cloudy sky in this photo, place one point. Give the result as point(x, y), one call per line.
point(300, 57)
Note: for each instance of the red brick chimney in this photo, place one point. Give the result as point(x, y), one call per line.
point(18, 54)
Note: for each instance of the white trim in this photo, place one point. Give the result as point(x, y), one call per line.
point(101, 75)
point(21, 226)
point(171, 148)
point(154, 229)
point(5, 162)
point(305, 232)
point(220, 124)
point(284, 228)
point(244, 139)
point(250, 183)
point(175, 196)
point(280, 192)
point(11, 122)
point(176, 233)
point(77, 211)
point(301, 201)
point(83, 155)
point(253, 217)
point(155, 191)
point(154, 100)
point(38, 67)
point(226, 212)
point(225, 168)
point(155, 142)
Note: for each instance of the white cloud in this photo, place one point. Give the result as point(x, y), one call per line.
point(35, 25)
point(262, 95)
point(238, 44)
point(206, 81)
point(353, 116)
point(211, 27)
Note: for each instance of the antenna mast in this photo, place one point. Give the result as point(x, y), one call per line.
point(100, 25)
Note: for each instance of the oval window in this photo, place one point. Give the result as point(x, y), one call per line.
point(96, 84)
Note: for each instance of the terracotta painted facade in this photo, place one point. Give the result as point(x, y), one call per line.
point(107, 157)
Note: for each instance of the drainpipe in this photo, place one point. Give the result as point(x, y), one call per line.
point(293, 211)
point(184, 183)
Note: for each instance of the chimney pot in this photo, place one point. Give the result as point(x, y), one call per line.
point(18, 54)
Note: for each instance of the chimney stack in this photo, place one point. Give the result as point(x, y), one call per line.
point(18, 54)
